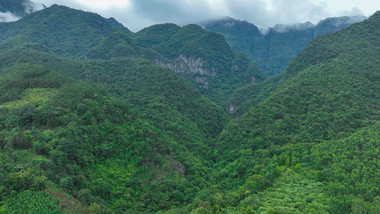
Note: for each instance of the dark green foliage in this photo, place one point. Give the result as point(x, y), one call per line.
point(319, 97)
point(80, 127)
point(241, 35)
point(85, 131)
point(115, 45)
point(156, 34)
point(329, 91)
point(202, 58)
point(351, 165)
point(117, 25)
point(248, 96)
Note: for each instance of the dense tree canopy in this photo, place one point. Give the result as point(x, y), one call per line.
point(96, 119)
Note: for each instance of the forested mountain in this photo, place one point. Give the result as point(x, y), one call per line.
point(97, 119)
point(275, 48)
point(323, 109)
point(60, 29)
point(85, 127)
point(201, 57)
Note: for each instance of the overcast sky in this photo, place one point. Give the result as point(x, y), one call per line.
point(137, 14)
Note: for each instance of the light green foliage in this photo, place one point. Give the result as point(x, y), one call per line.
point(35, 96)
point(292, 194)
point(28, 202)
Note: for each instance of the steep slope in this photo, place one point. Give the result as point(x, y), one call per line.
point(249, 95)
point(328, 90)
point(274, 49)
point(327, 99)
point(202, 58)
point(86, 138)
point(85, 128)
point(124, 150)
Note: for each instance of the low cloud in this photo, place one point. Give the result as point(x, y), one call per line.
point(260, 12)
point(137, 14)
point(29, 7)
point(8, 17)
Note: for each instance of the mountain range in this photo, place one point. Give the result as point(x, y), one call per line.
point(273, 49)
point(98, 119)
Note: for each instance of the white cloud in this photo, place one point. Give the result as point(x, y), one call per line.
point(136, 14)
point(8, 17)
point(104, 4)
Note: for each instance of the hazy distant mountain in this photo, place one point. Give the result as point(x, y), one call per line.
point(275, 47)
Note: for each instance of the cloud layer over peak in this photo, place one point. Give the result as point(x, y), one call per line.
point(137, 14)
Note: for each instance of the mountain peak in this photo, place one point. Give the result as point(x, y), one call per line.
point(285, 28)
point(377, 13)
point(343, 20)
point(78, 30)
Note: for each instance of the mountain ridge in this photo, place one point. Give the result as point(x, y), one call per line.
point(274, 48)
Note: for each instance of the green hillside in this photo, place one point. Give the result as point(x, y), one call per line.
point(96, 119)
point(84, 131)
point(328, 93)
point(62, 30)
point(329, 90)
point(202, 58)
point(140, 125)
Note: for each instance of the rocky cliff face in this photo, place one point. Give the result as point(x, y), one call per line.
point(183, 64)
point(191, 66)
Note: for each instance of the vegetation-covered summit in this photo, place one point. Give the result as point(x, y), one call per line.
point(202, 58)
